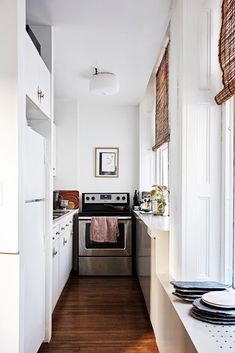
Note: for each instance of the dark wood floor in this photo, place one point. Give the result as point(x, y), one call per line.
point(101, 315)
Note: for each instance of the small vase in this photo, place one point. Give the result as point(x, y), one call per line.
point(158, 208)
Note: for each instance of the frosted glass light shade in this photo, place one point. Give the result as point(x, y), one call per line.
point(104, 84)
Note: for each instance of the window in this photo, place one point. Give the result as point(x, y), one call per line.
point(162, 165)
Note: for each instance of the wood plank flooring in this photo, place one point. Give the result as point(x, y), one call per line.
point(101, 315)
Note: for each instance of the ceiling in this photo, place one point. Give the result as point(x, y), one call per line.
point(120, 36)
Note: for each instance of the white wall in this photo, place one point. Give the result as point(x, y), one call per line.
point(108, 126)
point(66, 121)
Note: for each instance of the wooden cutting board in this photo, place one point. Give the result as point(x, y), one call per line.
point(71, 195)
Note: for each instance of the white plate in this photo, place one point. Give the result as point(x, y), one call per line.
point(222, 299)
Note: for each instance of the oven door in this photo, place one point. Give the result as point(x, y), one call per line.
point(123, 247)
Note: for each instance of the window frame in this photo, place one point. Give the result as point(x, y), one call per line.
point(161, 173)
point(227, 196)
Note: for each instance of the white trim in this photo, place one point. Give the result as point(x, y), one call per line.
point(227, 191)
point(159, 176)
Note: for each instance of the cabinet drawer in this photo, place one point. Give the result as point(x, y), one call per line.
point(70, 221)
point(64, 226)
point(56, 232)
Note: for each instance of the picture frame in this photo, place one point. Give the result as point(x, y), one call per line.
point(107, 162)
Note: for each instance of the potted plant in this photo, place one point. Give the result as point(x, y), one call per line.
point(159, 197)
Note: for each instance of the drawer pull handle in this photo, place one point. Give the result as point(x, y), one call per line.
point(39, 93)
point(63, 228)
point(55, 253)
point(57, 233)
point(67, 225)
point(65, 242)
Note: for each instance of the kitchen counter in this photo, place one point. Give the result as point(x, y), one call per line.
point(155, 224)
point(175, 328)
point(68, 214)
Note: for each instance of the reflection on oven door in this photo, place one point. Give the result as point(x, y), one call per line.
point(105, 266)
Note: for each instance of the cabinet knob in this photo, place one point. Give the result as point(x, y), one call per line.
point(57, 233)
point(63, 228)
point(40, 94)
point(54, 253)
point(67, 225)
point(65, 242)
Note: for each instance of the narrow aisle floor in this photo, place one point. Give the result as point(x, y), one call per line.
point(101, 315)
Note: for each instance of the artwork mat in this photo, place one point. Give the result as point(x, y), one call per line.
point(106, 152)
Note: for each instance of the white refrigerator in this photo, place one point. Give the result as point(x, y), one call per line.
point(32, 253)
point(22, 255)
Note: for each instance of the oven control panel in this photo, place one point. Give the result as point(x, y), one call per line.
point(101, 198)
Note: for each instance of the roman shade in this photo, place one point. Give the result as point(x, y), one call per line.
point(162, 130)
point(227, 51)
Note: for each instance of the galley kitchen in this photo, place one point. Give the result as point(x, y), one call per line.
point(117, 176)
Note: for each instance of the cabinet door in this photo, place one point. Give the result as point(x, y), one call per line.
point(70, 250)
point(55, 273)
point(54, 150)
point(31, 70)
point(44, 87)
point(143, 260)
point(37, 80)
point(63, 264)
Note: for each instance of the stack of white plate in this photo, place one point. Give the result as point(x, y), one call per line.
point(216, 307)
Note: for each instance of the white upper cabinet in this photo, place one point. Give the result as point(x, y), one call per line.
point(37, 79)
point(54, 150)
point(44, 88)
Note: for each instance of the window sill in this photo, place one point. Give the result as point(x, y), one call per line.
point(204, 336)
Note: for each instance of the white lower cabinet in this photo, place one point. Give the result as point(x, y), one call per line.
point(70, 247)
point(143, 260)
point(62, 257)
point(55, 269)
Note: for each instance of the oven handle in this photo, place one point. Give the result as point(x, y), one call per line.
point(119, 218)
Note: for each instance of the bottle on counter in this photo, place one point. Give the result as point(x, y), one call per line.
point(136, 202)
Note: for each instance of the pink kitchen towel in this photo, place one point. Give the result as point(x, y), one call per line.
point(104, 229)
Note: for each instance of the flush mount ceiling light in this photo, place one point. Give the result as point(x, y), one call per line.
point(104, 83)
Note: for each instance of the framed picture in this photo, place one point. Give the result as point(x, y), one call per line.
point(106, 162)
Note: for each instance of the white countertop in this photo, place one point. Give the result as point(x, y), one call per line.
point(68, 214)
point(155, 224)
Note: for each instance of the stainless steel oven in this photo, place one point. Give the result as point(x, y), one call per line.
point(105, 258)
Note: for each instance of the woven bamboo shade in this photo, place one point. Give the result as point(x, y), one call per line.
point(162, 130)
point(227, 51)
